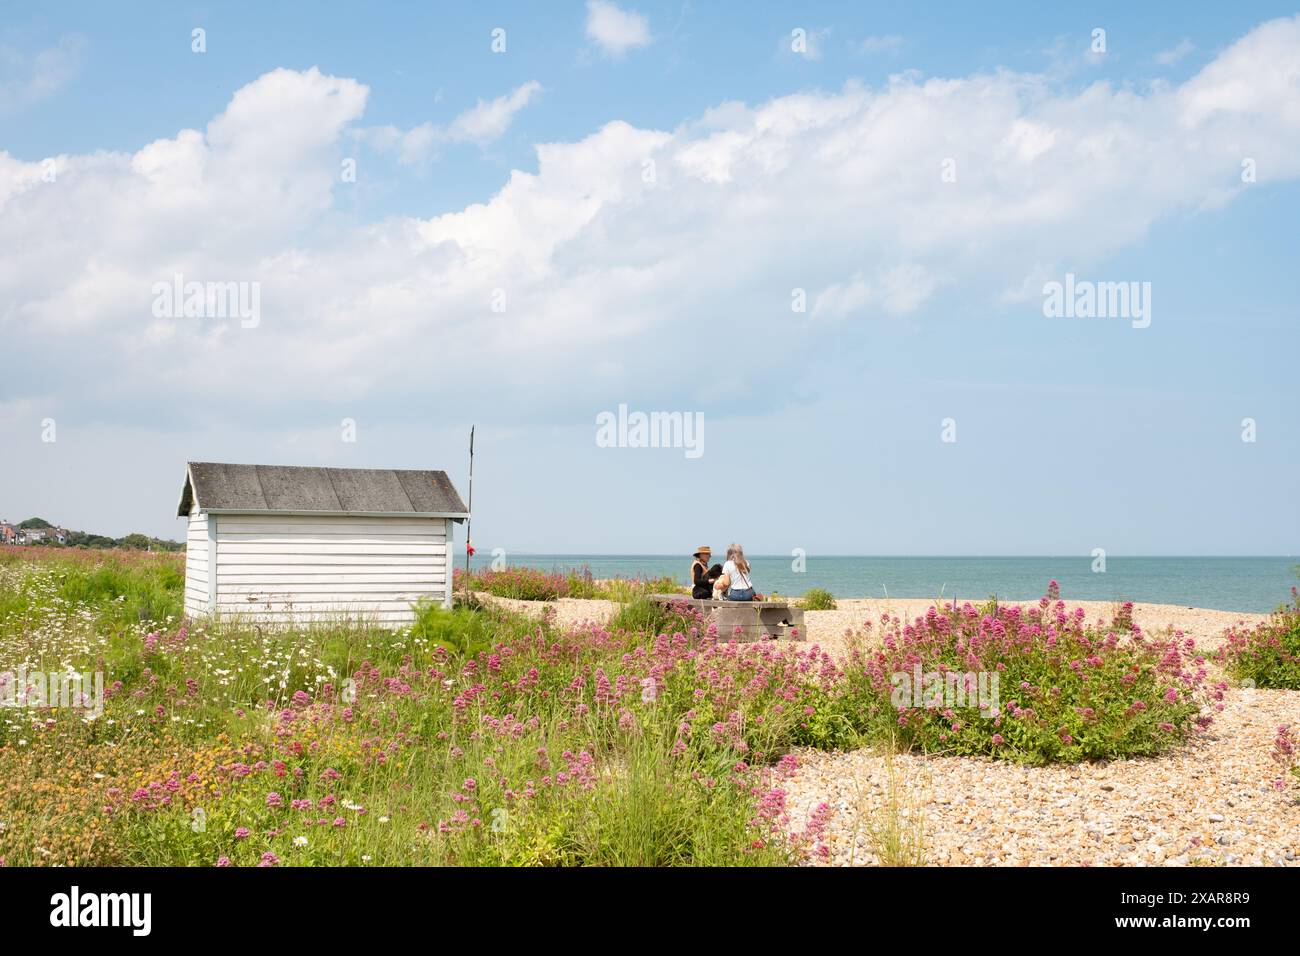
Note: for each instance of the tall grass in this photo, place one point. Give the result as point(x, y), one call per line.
point(894, 825)
point(532, 584)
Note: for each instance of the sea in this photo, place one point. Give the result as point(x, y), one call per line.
point(1253, 584)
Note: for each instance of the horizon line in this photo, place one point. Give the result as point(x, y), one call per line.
point(675, 554)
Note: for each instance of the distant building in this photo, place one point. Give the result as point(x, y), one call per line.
point(12, 534)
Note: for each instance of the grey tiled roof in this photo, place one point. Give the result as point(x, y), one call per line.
point(211, 486)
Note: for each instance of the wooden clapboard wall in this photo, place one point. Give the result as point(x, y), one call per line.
point(302, 568)
point(198, 593)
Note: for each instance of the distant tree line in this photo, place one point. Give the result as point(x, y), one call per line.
point(85, 539)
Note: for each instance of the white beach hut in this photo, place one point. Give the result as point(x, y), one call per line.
point(291, 545)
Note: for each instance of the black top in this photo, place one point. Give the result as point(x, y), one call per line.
point(703, 577)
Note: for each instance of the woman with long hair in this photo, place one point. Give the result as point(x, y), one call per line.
point(735, 583)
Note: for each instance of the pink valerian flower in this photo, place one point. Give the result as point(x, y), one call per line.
point(268, 859)
point(242, 833)
point(223, 861)
point(273, 799)
point(1285, 754)
point(1284, 746)
point(810, 841)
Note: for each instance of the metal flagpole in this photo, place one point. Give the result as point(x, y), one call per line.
point(469, 540)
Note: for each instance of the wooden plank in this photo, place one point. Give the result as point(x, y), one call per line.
point(324, 524)
point(344, 547)
point(746, 620)
point(332, 577)
point(321, 538)
point(297, 587)
point(357, 607)
point(386, 619)
point(307, 562)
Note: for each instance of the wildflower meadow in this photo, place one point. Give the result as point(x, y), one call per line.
point(478, 737)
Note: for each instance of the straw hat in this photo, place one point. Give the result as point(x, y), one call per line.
point(704, 549)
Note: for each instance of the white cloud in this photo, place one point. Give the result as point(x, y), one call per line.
point(614, 29)
point(483, 124)
point(897, 291)
point(881, 45)
point(1175, 53)
point(839, 193)
point(28, 79)
point(489, 120)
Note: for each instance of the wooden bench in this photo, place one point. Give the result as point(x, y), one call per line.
point(744, 620)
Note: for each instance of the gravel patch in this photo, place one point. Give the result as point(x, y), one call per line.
point(1210, 802)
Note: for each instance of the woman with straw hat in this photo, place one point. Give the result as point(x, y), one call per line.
point(703, 576)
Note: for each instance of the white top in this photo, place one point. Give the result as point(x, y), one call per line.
point(739, 580)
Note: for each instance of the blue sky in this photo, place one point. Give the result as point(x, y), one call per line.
point(774, 170)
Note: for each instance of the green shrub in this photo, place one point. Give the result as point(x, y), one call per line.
point(518, 583)
point(628, 589)
point(644, 616)
point(532, 584)
point(818, 599)
point(1268, 655)
point(464, 630)
point(580, 584)
point(1034, 686)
